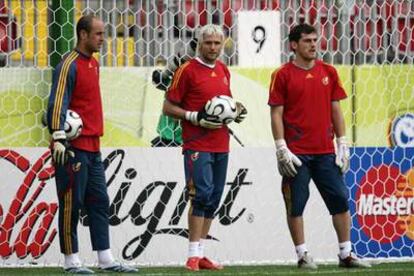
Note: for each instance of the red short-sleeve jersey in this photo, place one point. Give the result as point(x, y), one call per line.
point(306, 96)
point(193, 85)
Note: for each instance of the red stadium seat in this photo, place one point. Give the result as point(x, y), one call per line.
point(406, 35)
point(228, 7)
point(8, 31)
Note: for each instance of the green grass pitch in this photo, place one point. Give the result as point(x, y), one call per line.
point(406, 268)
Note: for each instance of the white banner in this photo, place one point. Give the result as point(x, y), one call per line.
point(258, 38)
point(149, 213)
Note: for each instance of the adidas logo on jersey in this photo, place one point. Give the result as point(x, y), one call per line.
point(309, 76)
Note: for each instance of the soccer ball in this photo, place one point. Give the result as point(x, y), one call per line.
point(73, 125)
point(222, 106)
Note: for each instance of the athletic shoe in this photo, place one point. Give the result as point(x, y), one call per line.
point(306, 262)
point(118, 268)
point(206, 263)
point(353, 261)
point(78, 270)
point(193, 264)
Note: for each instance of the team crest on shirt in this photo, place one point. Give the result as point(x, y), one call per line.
point(76, 167)
point(195, 155)
point(325, 80)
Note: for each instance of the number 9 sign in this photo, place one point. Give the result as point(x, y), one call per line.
point(259, 37)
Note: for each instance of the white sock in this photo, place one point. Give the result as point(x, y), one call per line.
point(72, 260)
point(345, 249)
point(193, 249)
point(301, 250)
point(201, 248)
point(105, 257)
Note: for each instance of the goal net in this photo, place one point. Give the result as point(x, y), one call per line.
point(371, 44)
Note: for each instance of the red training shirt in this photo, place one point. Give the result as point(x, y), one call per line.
point(193, 85)
point(306, 96)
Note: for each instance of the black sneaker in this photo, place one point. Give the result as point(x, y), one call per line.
point(78, 270)
point(352, 261)
point(119, 268)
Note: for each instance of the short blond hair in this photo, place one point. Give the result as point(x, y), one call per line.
point(208, 30)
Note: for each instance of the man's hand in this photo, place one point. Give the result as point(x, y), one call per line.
point(286, 160)
point(241, 112)
point(161, 79)
point(202, 119)
point(342, 154)
point(60, 152)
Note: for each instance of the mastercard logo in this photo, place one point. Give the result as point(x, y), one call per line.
point(385, 203)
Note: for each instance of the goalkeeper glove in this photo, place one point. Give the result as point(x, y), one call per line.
point(161, 79)
point(241, 112)
point(286, 160)
point(342, 154)
point(60, 146)
point(202, 119)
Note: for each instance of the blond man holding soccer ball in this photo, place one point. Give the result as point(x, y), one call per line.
point(192, 97)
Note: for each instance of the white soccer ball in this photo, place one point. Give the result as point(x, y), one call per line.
point(73, 125)
point(222, 106)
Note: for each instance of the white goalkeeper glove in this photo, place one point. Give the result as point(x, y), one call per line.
point(60, 146)
point(202, 119)
point(286, 160)
point(342, 154)
point(241, 112)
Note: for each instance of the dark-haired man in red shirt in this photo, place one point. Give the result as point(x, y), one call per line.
point(306, 116)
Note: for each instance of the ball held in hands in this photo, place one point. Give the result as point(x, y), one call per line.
point(223, 107)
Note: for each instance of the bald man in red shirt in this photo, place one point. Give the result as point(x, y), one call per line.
point(79, 170)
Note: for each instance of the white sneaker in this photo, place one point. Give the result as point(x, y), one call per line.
point(352, 261)
point(78, 270)
point(118, 268)
point(306, 262)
